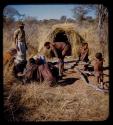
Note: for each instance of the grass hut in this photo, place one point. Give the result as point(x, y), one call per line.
point(65, 33)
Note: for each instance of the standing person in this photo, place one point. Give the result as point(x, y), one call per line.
point(20, 43)
point(60, 50)
point(98, 69)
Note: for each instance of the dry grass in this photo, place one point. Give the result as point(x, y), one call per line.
point(39, 102)
point(35, 102)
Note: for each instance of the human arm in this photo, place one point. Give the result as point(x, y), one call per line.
point(84, 54)
point(25, 41)
point(54, 50)
point(15, 39)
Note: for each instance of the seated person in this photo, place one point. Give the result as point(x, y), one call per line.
point(30, 71)
point(46, 72)
point(83, 56)
point(19, 68)
point(9, 54)
point(37, 71)
point(84, 51)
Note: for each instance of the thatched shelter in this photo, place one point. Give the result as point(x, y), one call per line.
point(64, 33)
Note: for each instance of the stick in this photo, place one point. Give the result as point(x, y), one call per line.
point(84, 76)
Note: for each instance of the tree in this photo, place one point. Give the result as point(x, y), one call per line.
point(11, 13)
point(63, 18)
point(80, 11)
point(102, 18)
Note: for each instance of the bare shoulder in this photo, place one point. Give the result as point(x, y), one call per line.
point(16, 31)
point(60, 43)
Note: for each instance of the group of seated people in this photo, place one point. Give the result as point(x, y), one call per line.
point(38, 69)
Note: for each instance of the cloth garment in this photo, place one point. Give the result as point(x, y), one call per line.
point(46, 73)
point(20, 35)
point(21, 53)
point(30, 73)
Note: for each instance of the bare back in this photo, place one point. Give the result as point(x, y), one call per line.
point(59, 45)
point(98, 66)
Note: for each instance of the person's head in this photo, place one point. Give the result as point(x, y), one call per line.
point(21, 25)
point(31, 61)
point(38, 61)
point(13, 51)
point(85, 45)
point(98, 56)
point(47, 45)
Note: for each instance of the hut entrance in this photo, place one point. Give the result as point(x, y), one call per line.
point(62, 37)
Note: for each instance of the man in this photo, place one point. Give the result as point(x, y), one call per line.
point(20, 43)
point(60, 50)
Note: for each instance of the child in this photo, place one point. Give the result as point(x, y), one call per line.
point(83, 56)
point(84, 51)
point(98, 69)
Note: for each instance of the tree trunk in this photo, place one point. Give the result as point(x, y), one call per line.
point(102, 22)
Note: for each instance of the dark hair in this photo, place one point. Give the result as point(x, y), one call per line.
point(83, 44)
point(46, 43)
point(38, 62)
point(98, 55)
point(32, 61)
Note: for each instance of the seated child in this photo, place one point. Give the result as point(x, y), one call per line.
point(98, 69)
point(84, 51)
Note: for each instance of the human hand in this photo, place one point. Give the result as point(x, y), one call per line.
point(17, 48)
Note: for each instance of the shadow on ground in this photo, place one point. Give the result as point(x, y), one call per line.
point(67, 81)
